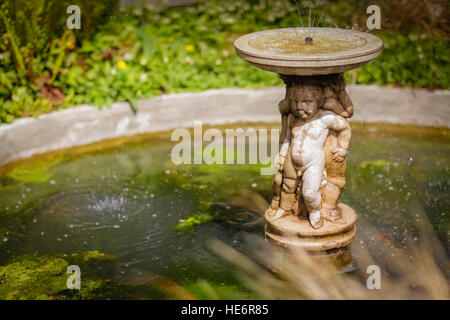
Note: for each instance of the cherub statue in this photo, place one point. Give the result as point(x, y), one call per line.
point(313, 145)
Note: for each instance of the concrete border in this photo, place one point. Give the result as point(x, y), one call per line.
point(86, 124)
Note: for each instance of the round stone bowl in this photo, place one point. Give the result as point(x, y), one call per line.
point(289, 51)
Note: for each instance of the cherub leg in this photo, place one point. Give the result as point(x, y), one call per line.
point(331, 194)
point(288, 188)
point(276, 190)
point(335, 182)
point(311, 194)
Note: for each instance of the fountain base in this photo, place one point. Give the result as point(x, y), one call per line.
point(294, 232)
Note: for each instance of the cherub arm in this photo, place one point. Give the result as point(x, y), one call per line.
point(284, 108)
point(340, 125)
point(346, 103)
point(335, 92)
point(284, 144)
point(335, 106)
point(287, 138)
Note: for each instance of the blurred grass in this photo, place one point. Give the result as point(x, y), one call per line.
point(141, 52)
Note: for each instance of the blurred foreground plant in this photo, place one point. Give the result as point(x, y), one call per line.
point(415, 271)
point(304, 277)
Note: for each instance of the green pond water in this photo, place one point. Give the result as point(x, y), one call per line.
point(126, 198)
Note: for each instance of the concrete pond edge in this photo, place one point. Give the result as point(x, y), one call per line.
point(87, 124)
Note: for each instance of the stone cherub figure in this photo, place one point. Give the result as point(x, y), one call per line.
point(314, 142)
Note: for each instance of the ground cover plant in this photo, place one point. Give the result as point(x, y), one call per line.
point(129, 53)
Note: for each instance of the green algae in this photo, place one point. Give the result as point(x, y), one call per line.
point(43, 277)
point(379, 164)
point(215, 183)
point(32, 277)
point(191, 222)
point(36, 172)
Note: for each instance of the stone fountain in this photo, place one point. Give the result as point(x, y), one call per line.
point(310, 167)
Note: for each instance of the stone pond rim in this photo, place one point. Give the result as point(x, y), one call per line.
point(367, 47)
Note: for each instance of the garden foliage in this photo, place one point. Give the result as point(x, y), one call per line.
point(124, 54)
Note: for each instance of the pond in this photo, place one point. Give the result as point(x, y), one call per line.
point(126, 198)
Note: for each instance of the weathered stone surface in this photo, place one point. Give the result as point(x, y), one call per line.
point(402, 106)
point(364, 48)
point(293, 232)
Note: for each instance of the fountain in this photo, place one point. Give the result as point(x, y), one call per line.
point(310, 168)
point(124, 203)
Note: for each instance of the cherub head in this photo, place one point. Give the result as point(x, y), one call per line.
point(305, 100)
point(328, 91)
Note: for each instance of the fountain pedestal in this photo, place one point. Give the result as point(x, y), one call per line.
point(305, 212)
point(294, 232)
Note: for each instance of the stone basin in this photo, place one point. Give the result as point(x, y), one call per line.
point(284, 51)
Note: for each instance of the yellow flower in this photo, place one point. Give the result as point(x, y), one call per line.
point(70, 44)
point(171, 39)
point(189, 48)
point(122, 65)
